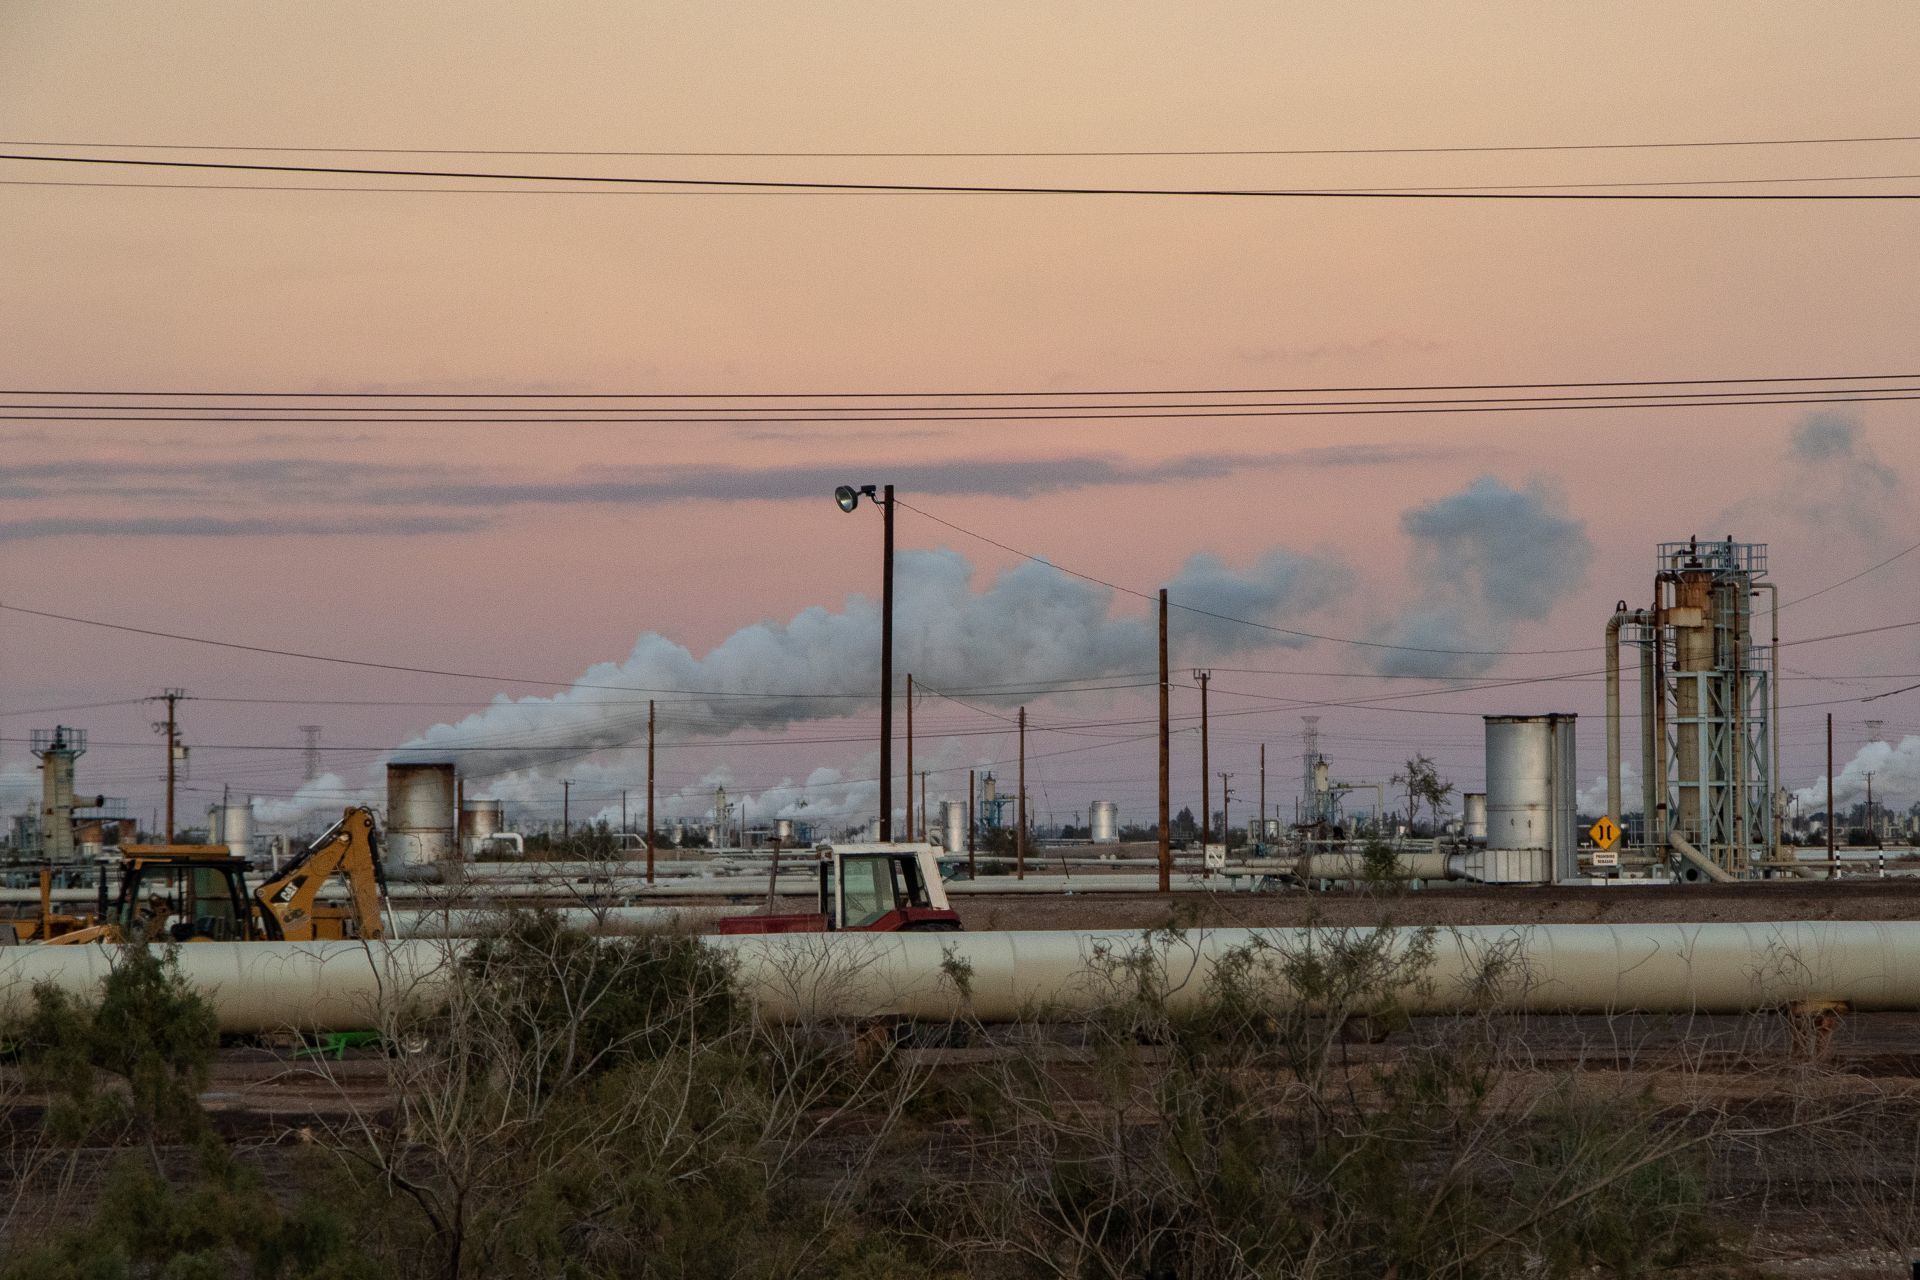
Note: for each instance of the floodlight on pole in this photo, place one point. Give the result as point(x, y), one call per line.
point(847, 497)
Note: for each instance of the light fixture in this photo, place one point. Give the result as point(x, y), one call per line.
point(849, 497)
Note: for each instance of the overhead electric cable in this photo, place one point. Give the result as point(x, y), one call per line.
point(959, 395)
point(970, 188)
point(1855, 578)
point(212, 415)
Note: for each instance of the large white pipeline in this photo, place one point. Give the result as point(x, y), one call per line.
point(1707, 968)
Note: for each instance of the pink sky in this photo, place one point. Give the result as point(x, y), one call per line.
point(276, 291)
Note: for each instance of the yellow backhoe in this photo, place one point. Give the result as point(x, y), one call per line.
point(198, 893)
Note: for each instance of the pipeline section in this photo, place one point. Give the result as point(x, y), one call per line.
point(1594, 969)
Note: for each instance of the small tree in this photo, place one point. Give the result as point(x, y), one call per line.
point(1424, 786)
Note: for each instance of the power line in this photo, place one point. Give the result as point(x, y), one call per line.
point(1247, 622)
point(1132, 404)
point(958, 395)
point(656, 193)
point(1855, 578)
point(204, 414)
point(982, 155)
point(966, 188)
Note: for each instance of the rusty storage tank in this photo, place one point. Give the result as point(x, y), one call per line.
point(480, 820)
point(420, 814)
point(1103, 822)
point(953, 826)
point(1473, 821)
point(1531, 784)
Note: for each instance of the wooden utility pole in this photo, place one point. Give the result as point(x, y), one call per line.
point(649, 790)
point(1263, 793)
point(623, 815)
point(970, 867)
point(1206, 779)
point(1871, 829)
point(1226, 802)
point(171, 727)
point(566, 799)
point(924, 828)
point(886, 672)
point(909, 755)
point(1832, 870)
point(1166, 772)
point(1020, 808)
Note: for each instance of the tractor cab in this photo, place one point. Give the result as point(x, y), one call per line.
point(870, 888)
point(186, 893)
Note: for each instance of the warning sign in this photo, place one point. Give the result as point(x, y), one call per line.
point(1605, 833)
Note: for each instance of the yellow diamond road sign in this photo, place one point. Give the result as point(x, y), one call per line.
point(1605, 833)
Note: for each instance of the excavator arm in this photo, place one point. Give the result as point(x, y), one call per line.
point(292, 897)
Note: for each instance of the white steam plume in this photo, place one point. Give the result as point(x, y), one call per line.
point(1896, 779)
point(1483, 559)
point(1031, 625)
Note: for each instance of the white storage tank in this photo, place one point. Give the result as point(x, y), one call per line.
point(231, 824)
point(1530, 802)
point(1474, 818)
point(953, 826)
point(420, 814)
point(1104, 822)
point(783, 830)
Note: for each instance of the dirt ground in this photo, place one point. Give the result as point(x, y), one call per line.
point(1856, 899)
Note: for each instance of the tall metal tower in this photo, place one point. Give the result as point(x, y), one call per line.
point(1712, 712)
point(312, 754)
point(58, 748)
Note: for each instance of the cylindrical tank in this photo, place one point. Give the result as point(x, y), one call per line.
point(420, 814)
point(236, 828)
point(1104, 821)
point(783, 830)
point(1474, 819)
point(479, 820)
point(953, 826)
point(1530, 801)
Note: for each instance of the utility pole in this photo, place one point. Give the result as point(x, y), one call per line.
point(649, 790)
point(623, 811)
point(923, 806)
point(566, 798)
point(1226, 802)
point(886, 671)
point(910, 755)
point(1832, 870)
point(1166, 773)
point(1206, 779)
point(1020, 809)
point(1871, 829)
point(1263, 791)
point(970, 868)
point(171, 728)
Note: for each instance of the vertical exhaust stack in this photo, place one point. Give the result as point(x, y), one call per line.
point(420, 816)
point(1530, 818)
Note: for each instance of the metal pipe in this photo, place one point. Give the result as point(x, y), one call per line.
point(1594, 969)
point(1773, 722)
point(1613, 709)
point(1693, 857)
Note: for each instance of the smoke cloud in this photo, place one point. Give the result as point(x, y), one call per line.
point(1031, 625)
point(1896, 779)
point(1484, 559)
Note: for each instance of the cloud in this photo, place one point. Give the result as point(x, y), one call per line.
point(1896, 779)
point(1833, 482)
point(222, 527)
point(1030, 625)
point(1484, 559)
point(1005, 477)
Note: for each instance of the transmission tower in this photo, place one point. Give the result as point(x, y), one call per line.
point(312, 754)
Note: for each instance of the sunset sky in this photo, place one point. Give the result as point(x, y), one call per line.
point(538, 551)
